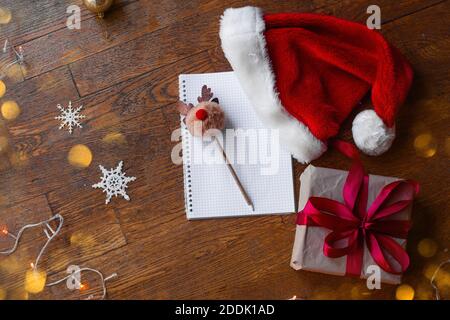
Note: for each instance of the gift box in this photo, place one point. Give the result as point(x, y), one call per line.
point(350, 221)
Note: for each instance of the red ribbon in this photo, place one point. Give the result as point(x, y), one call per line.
point(352, 221)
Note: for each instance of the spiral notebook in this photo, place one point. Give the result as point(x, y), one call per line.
point(210, 190)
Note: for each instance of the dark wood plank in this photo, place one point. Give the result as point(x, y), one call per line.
point(86, 234)
point(121, 25)
point(137, 57)
point(35, 98)
point(129, 110)
point(14, 266)
point(174, 42)
point(357, 10)
point(38, 96)
point(34, 19)
point(74, 245)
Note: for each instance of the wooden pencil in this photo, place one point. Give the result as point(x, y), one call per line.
point(235, 177)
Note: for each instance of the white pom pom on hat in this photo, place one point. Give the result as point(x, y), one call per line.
point(370, 133)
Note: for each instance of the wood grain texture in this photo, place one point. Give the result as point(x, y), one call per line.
point(120, 26)
point(165, 45)
point(127, 83)
point(34, 19)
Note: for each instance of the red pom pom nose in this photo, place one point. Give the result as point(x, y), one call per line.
point(201, 114)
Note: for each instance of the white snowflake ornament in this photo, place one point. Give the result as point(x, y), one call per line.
point(70, 117)
point(114, 182)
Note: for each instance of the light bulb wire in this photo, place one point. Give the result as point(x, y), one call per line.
point(49, 232)
point(432, 282)
point(19, 58)
point(52, 233)
point(102, 278)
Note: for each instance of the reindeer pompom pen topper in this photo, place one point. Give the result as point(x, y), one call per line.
point(202, 119)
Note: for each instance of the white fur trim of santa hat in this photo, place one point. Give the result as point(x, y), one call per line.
point(370, 133)
point(244, 45)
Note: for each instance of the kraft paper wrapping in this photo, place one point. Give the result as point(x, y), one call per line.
point(307, 253)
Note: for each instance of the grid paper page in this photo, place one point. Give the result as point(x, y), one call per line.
point(210, 190)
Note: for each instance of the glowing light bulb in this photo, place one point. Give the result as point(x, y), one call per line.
point(10, 110)
point(84, 286)
point(4, 231)
point(404, 292)
point(35, 280)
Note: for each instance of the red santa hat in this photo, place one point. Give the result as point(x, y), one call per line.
point(304, 74)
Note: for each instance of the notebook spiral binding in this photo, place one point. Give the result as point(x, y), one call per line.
point(186, 156)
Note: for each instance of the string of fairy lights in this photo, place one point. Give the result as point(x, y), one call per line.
point(49, 232)
point(82, 286)
point(437, 294)
point(36, 279)
point(18, 57)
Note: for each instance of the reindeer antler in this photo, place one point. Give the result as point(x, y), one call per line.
point(184, 108)
point(206, 94)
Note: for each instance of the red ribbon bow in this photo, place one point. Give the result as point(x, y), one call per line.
point(351, 220)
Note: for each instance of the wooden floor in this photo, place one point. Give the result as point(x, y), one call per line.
point(124, 72)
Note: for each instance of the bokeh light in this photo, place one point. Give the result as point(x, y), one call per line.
point(404, 292)
point(2, 293)
point(16, 72)
point(2, 88)
point(359, 292)
point(10, 110)
point(427, 248)
point(19, 159)
point(429, 270)
point(3, 144)
point(355, 293)
point(35, 280)
point(424, 291)
point(5, 15)
point(115, 138)
point(80, 156)
point(84, 286)
point(442, 277)
point(83, 240)
point(321, 293)
point(3, 231)
point(10, 264)
point(425, 145)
